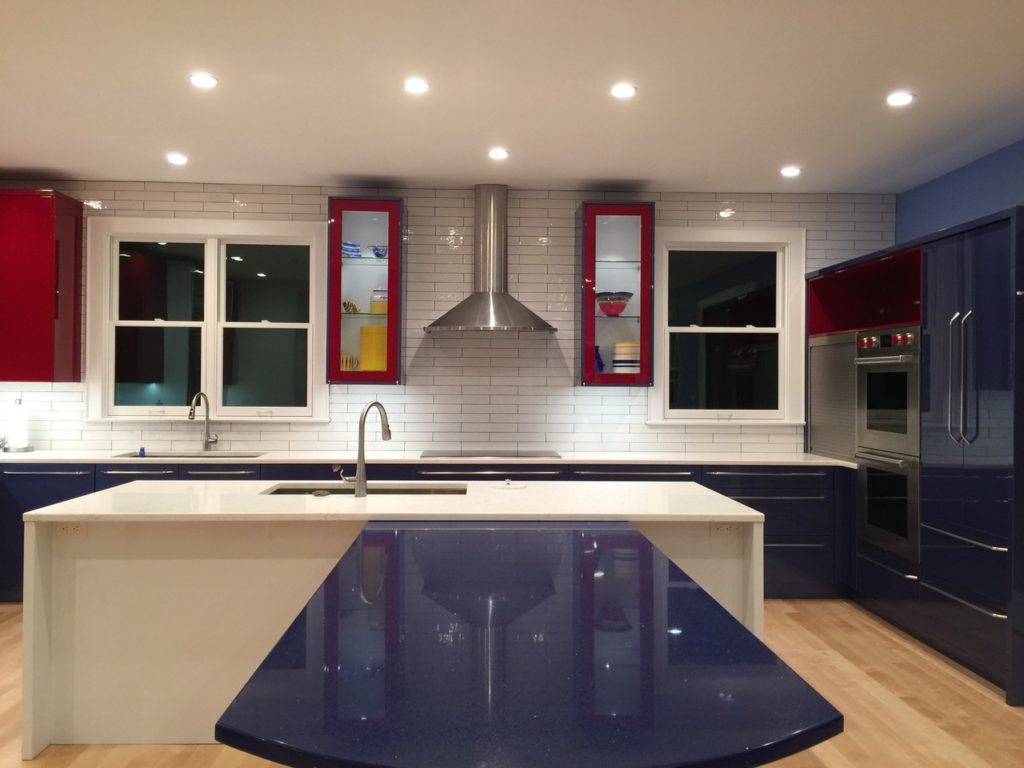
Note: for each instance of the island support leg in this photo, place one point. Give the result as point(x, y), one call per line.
point(725, 559)
point(145, 632)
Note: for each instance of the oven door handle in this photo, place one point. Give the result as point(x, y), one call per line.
point(881, 459)
point(884, 360)
point(964, 369)
point(949, 384)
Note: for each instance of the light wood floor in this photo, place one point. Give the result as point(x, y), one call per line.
point(904, 704)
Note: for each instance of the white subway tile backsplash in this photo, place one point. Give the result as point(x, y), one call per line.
point(468, 390)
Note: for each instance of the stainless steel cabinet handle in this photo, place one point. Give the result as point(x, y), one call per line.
point(43, 472)
point(990, 547)
point(137, 472)
point(884, 360)
point(882, 459)
point(725, 473)
point(618, 473)
point(220, 472)
point(949, 382)
point(907, 576)
point(964, 371)
point(777, 498)
point(978, 608)
point(795, 546)
point(488, 472)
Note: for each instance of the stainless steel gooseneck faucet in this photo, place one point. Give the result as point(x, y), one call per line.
point(208, 439)
point(385, 433)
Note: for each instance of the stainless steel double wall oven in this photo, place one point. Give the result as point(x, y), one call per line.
point(888, 439)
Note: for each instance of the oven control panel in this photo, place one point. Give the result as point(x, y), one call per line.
point(891, 341)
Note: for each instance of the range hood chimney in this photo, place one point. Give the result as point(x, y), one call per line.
point(490, 307)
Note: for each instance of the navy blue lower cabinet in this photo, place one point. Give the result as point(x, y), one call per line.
point(650, 473)
point(498, 472)
point(803, 525)
point(374, 471)
point(24, 487)
point(888, 587)
point(219, 472)
point(800, 567)
point(975, 635)
point(110, 475)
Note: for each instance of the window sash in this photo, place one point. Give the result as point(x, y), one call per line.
point(105, 238)
point(789, 245)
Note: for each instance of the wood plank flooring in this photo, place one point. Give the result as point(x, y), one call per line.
point(905, 706)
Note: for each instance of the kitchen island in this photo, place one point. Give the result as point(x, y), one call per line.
point(149, 605)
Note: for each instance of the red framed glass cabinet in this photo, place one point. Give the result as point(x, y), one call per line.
point(617, 292)
point(364, 294)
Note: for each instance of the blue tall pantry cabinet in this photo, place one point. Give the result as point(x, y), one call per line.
point(971, 577)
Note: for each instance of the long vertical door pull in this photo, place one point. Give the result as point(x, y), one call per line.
point(949, 384)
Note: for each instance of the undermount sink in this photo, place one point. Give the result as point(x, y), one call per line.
point(372, 489)
point(190, 455)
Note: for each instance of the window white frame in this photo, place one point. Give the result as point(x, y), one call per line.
point(790, 245)
point(104, 235)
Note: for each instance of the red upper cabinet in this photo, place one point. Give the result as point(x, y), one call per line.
point(364, 297)
point(618, 292)
point(40, 293)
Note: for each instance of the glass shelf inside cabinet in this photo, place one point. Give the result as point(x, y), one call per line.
point(617, 264)
point(363, 262)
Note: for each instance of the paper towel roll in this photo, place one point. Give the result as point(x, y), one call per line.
point(17, 427)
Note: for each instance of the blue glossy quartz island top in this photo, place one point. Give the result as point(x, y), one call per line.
point(461, 645)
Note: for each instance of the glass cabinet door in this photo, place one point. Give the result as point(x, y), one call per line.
point(618, 276)
point(364, 295)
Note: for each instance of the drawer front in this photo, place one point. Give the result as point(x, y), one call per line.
point(494, 472)
point(974, 570)
point(810, 480)
point(794, 515)
point(800, 567)
point(110, 475)
point(891, 593)
point(219, 472)
point(975, 636)
point(660, 474)
point(326, 471)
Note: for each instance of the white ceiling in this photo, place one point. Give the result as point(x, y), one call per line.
point(311, 91)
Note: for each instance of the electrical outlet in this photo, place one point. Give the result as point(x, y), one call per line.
point(722, 529)
point(71, 530)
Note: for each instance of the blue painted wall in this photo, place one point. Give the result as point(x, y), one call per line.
point(985, 186)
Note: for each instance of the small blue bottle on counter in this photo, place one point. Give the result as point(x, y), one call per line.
point(142, 452)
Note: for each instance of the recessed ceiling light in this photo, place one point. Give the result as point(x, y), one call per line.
point(202, 80)
point(623, 90)
point(261, 274)
point(790, 171)
point(899, 98)
point(498, 153)
point(416, 85)
point(176, 158)
point(162, 242)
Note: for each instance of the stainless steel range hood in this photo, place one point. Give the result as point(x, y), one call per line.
point(490, 307)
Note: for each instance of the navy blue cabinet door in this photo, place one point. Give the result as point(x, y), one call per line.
point(967, 446)
point(24, 487)
point(110, 475)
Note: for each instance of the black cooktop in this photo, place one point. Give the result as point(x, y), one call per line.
point(459, 454)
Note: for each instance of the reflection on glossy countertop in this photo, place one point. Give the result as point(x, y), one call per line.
point(458, 645)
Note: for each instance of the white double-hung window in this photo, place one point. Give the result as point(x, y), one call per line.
point(729, 326)
point(229, 308)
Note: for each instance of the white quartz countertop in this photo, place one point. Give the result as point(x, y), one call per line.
point(244, 500)
point(413, 457)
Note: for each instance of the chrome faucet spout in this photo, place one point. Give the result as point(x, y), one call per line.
point(385, 433)
point(200, 397)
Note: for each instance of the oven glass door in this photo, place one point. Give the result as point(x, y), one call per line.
point(888, 412)
point(888, 504)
